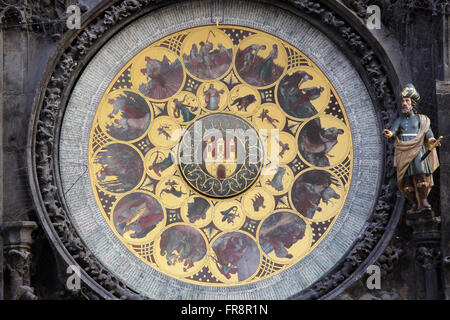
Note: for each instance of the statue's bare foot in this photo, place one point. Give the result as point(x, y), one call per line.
point(413, 208)
point(425, 204)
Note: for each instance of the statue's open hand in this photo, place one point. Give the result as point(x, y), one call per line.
point(387, 133)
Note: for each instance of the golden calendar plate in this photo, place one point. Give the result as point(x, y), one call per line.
point(226, 148)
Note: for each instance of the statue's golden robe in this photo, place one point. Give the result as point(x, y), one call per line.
point(406, 151)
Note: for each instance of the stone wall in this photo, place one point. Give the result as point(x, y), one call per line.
point(423, 38)
point(443, 100)
point(24, 54)
point(1, 165)
point(23, 57)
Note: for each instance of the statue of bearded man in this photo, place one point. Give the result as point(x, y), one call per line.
point(413, 137)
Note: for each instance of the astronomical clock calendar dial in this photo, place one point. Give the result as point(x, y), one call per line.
point(220, 155)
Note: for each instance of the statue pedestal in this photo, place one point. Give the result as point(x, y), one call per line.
point(426, 232)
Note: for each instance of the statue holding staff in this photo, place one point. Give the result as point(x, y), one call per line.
point(415, 155)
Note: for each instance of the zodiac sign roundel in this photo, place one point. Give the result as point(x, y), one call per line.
point(220, 155)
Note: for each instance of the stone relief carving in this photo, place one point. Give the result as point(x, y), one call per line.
point(374, 295)
point(389, 259)
point(50, 110)
point(18, 266)
point(17, 245)
point(407, 8)
point(384, 93)
point(428, 257)
point(47, 17)
point(388, 262)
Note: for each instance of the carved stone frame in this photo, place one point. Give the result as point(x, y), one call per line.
point(79, 46)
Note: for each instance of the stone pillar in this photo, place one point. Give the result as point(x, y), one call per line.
point(443, 106)
point(17, 242)
point(15, 198)
point(1, 163)
point(426, 234)
point(446, 42)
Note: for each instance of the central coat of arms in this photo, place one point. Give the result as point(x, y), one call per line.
point(220, 155)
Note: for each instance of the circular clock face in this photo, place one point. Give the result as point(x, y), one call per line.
point(220, 155)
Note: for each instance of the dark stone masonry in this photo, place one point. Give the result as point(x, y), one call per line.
point(53, 78)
